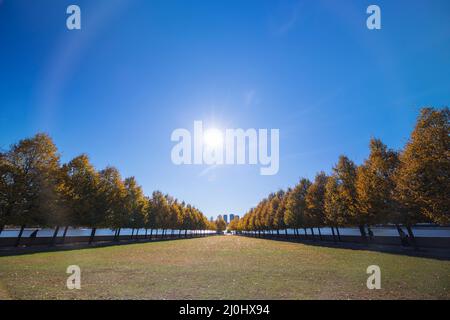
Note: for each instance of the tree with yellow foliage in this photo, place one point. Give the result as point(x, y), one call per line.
point(221, 225)
point(423, 178)
point(375, 184)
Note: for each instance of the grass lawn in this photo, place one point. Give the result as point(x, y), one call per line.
point(221, 267)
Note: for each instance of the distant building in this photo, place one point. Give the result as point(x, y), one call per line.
point(225, 217)
point(231, 217)
point(211, 219)
point(237, 217)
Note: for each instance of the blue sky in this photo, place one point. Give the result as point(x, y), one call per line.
point(137, 70)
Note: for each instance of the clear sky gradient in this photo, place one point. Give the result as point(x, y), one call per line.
point(137, 70)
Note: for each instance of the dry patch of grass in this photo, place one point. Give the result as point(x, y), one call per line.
point(222, 267)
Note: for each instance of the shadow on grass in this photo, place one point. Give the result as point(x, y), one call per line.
point(26, 250)
point(434, 253)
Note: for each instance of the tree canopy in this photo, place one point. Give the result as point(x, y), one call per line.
point(390, 186)
point(36, 190)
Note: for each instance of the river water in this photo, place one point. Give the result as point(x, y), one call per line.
point(425, 231)
point(419, 231)
point(77, 232)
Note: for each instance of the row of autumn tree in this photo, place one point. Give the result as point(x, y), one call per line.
point(36, 190)
point(389, 187)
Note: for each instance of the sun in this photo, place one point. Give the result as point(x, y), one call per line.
point(213, 138)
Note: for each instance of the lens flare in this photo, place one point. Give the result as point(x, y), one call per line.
point(213, 138)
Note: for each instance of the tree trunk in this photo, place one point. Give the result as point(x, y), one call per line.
point(362, 230)
point(20, 235)
point(334, 236)
point(64, 234)
point(312, 232)
point(185, 233)
point(399, 230)
point(32, 239)
point(55, 234)
point(145, 233)
point(132, 232)
point(286, 232)
point(1, 229)
point(151, 234)
point(137, 234)
point(338, 233)
point(320, 234)
point(412, 237)
point(306, 233)
point(91, 238)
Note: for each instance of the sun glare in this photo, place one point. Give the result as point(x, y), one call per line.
point(213, 138)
